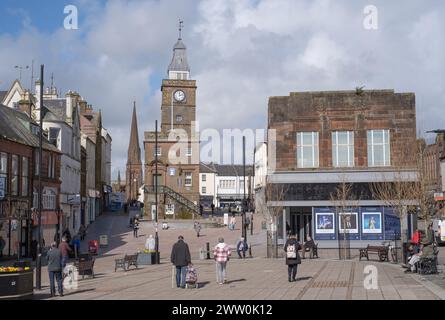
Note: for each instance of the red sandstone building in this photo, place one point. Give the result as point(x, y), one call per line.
point(19, 171)
point(326, 138)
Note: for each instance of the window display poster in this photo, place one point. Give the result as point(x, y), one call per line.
point(348, 225)
point(372, 223)
point(392, 225)
point(324, 224)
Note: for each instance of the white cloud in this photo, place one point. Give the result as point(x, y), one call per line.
point(240, 52)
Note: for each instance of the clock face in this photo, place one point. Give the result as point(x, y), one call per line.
point(179, 95)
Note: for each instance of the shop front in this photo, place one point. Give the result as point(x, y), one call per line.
point(329, 226)
point(15, 228)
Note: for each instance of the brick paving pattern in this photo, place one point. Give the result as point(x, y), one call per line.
point(256, 278)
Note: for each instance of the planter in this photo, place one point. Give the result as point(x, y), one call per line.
point(16, 285)
point(147, 258)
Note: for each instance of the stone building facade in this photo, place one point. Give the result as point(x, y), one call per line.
point(134, 176)
point(323, 139)
point(178, 144)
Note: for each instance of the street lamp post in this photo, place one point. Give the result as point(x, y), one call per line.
point(39, 246)
point(156, 193)
point(244, 233)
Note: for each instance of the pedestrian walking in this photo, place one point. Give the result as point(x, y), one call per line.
point(242, 247)
point(65, 250)
point(2, 246)
point(135, 227)
point(292, 257)
point(55, 269)
point(180, 257)
point(76, 245)
point(197, 227)
point(82, 231)
point(232, 222)
point(221, 254)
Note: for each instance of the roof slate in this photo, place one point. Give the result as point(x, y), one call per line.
point(15, 126)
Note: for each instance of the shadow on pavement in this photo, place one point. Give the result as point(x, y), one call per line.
point(237, 280)
point(304, 278)
point(203, 284)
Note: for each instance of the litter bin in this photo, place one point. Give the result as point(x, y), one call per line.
point(103, 241)
point(202, 254)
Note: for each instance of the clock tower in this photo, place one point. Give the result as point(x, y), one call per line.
point(174, 165)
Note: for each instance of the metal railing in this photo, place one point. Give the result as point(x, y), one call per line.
point(174, 195)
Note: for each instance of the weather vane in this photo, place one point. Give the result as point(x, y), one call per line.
point(181, 24)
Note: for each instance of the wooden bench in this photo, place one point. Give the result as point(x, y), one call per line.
point(126, 262)
point(85, 267)
point(381, 251)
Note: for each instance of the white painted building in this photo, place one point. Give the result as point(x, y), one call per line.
point(90, 207)
point(207, 185)
point(225, 183)
point(260, 165)
point(63, 126)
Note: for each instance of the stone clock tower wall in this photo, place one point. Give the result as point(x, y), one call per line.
point(179, 171)
point(186, 109)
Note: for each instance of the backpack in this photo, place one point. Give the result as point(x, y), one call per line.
point(291, 251)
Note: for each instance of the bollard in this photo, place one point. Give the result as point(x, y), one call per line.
point(250, 250)
point(208, 250)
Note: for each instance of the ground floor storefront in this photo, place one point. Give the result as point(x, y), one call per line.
point(15, 227)
point(328, 226)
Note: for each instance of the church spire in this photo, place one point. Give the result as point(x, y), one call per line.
point(179, 67)
point(134, 151)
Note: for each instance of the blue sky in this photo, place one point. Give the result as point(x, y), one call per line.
point(240, 52)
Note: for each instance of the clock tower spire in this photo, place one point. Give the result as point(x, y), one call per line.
point(179, 68)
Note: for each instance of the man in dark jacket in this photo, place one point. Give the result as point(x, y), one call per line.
point(55, 269)
point(292, 257)
point(180, 257)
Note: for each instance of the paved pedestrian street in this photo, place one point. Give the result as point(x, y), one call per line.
point(251, 278)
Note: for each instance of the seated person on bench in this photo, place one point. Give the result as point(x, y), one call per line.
point(425, 251)
point(308, 245)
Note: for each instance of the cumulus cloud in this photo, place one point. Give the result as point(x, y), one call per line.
point(240, 53)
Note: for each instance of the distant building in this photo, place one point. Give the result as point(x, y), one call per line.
point(433, 167)
point(223, 185)
point(134, 178)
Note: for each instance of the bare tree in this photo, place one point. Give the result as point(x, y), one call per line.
point(421, 192)
point(270, 201)
point(344, 201)
point(397, 192)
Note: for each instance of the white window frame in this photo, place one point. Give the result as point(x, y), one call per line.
point(189, 152)
point(204, 189)
point(335, 147)
point(314, 146)
point(203, 178)
point(188, 175)
point(386, 148)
